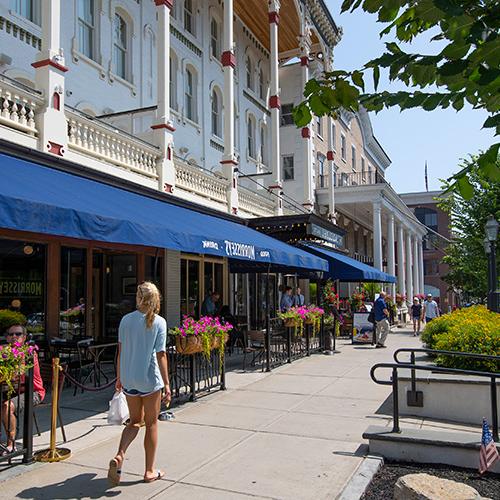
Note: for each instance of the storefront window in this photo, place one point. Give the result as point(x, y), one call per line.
point(120, 285)
point(22, 281)
point(190, 288)
point(72, 292)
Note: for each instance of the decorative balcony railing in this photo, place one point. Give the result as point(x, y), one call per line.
point(202, 182)
point(254, 203)
point(18, 106)
point(97, 139)
point(344, 179)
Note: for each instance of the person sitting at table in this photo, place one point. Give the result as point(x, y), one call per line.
point(209, 306)
point(17, 333)
point(298, 298)
point(286, 301)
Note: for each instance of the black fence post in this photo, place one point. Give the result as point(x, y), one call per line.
point(28, 418)
point(222, 371)
point(494, 409)
point(395, 401)
point(289, 343)
point(268, 326)
point(192, 377)
point(308, 340)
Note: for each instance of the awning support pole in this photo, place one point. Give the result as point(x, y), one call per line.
point(268, 324)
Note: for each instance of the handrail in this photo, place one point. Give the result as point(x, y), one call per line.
point(448, 353)
point(412, 366)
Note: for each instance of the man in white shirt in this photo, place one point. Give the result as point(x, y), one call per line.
point(431, 309)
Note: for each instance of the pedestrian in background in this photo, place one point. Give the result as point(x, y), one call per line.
point(416, 315)
point(431, 309)
point(142, 373)
point(381, 313)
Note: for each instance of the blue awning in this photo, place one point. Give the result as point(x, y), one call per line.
point(345, 268)
point(40, 199)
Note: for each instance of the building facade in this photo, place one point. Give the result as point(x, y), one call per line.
point(425, 207)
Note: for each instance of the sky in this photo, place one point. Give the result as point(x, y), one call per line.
point(412, 137)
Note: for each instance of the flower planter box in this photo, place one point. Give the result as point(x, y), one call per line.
point(291, 323)
point(191, 344)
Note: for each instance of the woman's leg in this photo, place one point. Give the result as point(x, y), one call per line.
point(135, 408)
point(151, 411)
point(9, 421)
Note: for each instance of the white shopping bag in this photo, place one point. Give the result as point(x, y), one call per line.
point(118, 409)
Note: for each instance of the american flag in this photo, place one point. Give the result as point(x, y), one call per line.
point(488, 454)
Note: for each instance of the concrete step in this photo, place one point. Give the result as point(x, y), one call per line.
point(427, 446)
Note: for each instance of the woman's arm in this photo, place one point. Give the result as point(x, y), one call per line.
point(163, 365)
point(118, 385)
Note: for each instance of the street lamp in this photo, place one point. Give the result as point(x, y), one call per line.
point(491, 230)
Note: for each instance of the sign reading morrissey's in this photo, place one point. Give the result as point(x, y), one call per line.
point(243, 250)
point(21, 288)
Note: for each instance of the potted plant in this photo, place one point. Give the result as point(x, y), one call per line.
point(201, 335)
point(9, 318)
point(294, 318)
point(357, 300)
point(400, 299)
point(15, 360)
point(313, 317)
point(331, 297)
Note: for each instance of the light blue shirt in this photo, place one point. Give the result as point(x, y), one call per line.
point(431, 309)
point(138, 364)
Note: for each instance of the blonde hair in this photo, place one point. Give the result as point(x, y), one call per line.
point(148, 300)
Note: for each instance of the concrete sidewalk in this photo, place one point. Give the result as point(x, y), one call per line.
point(293, 433)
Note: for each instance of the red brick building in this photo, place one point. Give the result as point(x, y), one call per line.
point(425, 207)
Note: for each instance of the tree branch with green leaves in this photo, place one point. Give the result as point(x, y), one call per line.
point(467, 69)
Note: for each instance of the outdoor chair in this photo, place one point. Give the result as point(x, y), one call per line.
point(46, 374)
point(255, 345)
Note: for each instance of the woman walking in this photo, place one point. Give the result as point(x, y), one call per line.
point(142, 373)
point(416, 315)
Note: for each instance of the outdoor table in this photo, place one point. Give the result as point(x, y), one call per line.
point(96, 351)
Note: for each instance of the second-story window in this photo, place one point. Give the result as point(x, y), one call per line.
point(173, 81)
point(189, 16)
point(189, 95)
point(214, 38)
point(120, 48)
point(286, 114)
point(363, 167)
point(216, 114)
point(319, 126)
point(86, 28)
point(263, 145)
point(288, 168)
point(343, 151)
point(321, 171)
point(251, 137)
point(353, 157)
point(30, 9)
point(262, 90)
point(334, 138)
point(249, 70)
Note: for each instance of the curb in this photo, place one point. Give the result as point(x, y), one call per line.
point(361, 478)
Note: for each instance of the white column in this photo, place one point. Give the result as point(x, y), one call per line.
point(401, 261)
point(331, 172)
point(416, 286)
point(163, 127)
point(305, 48)
point(275, 104)
point(49, 75)
point(421, 265)
point(377, 235)
point(391, 263)
point(409, 275)
point(228, 59)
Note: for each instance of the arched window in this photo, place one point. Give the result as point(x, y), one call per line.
point(263, 145)
point(236, 129)
point(30, 9)
point(249, 70)
point(190, 95)
point(216, 113)
point(214, 38)
point(86, 28)
point(173, 80)
point(251, 137)
point(189, 23)
point(262, 90)
point(120, 47)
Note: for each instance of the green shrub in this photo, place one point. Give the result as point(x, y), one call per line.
point(474, 329)
point(9, 318)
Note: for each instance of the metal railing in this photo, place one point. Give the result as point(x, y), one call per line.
point(23, 390)
point(413, 367)
point(347, 179)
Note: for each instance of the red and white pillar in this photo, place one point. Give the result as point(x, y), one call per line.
point(275, 104)
point(163, 127)
point(228, 59)
point(305, 47)
point(49, 75)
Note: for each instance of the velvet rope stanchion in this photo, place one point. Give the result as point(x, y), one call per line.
point(53, 454)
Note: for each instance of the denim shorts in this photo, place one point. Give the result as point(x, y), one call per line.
point(135, 392)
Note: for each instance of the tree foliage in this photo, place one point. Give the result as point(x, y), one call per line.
point(467, 69)
point(466, 254)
